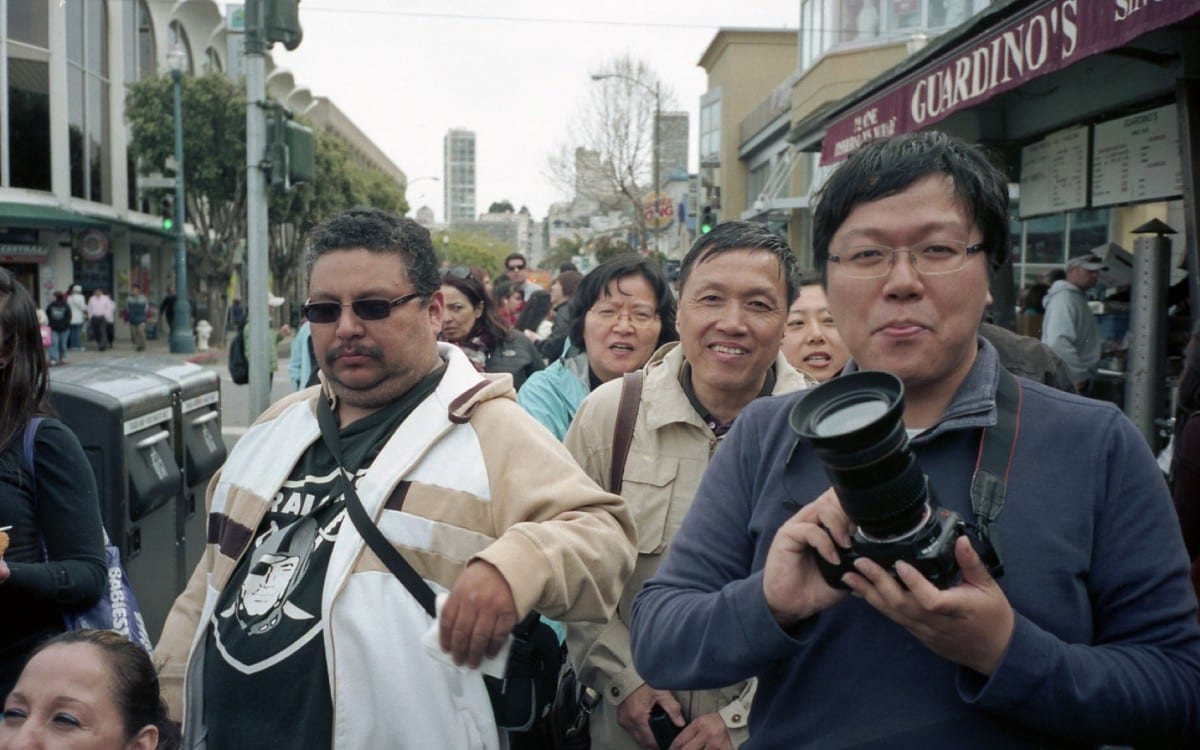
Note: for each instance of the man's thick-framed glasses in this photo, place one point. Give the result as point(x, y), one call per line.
point(638, 317)
point(928, 258)
point(365, 309)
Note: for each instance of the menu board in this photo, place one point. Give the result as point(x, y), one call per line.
point(1137, 158)
point(1054, 173)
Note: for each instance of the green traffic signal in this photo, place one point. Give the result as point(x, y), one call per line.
point(706, 220)
point(168, 223)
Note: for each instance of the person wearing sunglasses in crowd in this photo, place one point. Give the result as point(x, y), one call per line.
point(620, 314)
point(471, 321)
point(292, 632)
point(515, 267)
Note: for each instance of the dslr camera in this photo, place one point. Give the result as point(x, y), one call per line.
point(854, 423)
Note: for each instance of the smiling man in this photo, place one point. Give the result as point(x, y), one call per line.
point(292, 633)
point(1090, 637)
point(736, 283)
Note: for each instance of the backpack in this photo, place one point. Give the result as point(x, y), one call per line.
point(239, 366)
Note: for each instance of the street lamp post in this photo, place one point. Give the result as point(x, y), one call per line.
point(181, 333)
point(657, 91)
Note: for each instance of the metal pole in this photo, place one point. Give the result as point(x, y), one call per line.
point(181, 333)
point(1147, 333)
point(657, 178)
point(257, 315)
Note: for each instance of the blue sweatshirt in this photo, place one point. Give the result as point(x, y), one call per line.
point(1106, 646)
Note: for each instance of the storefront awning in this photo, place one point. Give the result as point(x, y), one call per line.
point(1043, 38)
point(33, 216)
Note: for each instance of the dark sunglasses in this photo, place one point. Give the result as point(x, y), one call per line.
point(516, 268)
point(364, 309)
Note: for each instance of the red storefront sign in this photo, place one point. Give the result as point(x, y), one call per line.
point(1043, 39)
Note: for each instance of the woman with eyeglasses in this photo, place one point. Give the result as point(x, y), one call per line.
point(470, 320)
point(620, 314)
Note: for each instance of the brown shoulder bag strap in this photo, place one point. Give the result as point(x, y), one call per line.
point(627, 411)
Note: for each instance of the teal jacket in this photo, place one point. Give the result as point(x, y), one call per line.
point(553, 395)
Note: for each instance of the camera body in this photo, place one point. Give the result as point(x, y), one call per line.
point(929, 549)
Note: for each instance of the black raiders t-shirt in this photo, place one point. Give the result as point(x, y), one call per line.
point(266, 682)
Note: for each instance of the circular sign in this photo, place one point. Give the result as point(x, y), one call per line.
point(658, 211)
point(93, 245)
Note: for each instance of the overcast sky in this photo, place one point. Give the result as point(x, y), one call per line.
point(515, 73)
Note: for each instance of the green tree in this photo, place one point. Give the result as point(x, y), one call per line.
point(459, 248)
point(606, 248)
point(501, 207)
point(340, 183)
point(214, 157)
point(565, 248)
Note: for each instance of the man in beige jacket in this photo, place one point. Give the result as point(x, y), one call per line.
point(736, 284)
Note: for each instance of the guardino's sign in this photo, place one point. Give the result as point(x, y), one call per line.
point(1045, 38)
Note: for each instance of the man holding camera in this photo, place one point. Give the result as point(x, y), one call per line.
point(1089, 636)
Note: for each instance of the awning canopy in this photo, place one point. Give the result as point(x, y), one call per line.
point(33, 216)
point(1044, 37)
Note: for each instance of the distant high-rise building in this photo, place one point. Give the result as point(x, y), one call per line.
point(458, 183)
point(673, 144)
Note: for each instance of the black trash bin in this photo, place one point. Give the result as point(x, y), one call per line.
point(199, 452)
point(124, 421)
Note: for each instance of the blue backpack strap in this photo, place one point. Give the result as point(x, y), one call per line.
point(30, 434)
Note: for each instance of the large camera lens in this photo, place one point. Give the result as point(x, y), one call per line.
point(854, 423)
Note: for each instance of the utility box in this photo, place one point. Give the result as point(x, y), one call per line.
point(125, 422)
point(200, 451)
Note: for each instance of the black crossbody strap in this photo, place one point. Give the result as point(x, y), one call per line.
point(387, 554)
point(627, 411)
point(996, 449)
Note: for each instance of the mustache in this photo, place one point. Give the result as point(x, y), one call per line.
point(340, 351)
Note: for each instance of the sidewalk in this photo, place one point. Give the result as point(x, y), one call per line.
point(158, 347)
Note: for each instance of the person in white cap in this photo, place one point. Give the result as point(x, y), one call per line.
point(1069, 327)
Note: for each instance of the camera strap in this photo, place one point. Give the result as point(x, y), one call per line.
point(997, 445)
point(627, 411)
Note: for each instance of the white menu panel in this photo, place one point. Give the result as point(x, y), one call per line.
point(1054, 173)
point(1137, 158)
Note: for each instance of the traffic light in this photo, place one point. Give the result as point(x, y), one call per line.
point(707, 220)
point(166, 209)
point(281, 22)
point(291, 150)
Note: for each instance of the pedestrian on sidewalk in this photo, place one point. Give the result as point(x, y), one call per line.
point(136, 309)
point(78, 305)
point(58, 314)
point(100, 312)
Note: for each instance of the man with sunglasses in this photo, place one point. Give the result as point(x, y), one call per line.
point(1090, 635)
point(341, 658)
point(515, 269)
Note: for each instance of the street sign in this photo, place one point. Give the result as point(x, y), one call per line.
point(658, 211)
point(154, 182)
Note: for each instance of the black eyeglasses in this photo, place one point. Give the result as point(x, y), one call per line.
point(364, 309)
point(520, 267)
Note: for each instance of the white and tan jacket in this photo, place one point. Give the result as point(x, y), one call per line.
point(671, 448)
point(563, 545)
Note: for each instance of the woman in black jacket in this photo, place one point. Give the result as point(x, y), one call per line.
point(470, 321)
point(48, 499)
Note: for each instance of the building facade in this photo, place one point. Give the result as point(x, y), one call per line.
point(458, 175)
point(71, 207)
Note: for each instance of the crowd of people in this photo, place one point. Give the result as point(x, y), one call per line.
point(628, 458)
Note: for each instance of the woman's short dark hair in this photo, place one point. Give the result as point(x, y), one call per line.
point(568, 281)
point(134, 682)
point(536, 308)
point(472, 288)
point(729, 236)
point(503, 288)
point(889, 166)
point(596, 284)
point(23, 365)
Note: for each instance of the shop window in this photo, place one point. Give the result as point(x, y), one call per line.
point(87, 97)
point(1089, 230)
point(28, 123)
point(1045, 239)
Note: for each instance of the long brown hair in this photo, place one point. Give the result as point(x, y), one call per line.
point(23, 365)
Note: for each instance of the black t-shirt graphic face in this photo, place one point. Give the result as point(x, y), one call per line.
point(266, 681)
